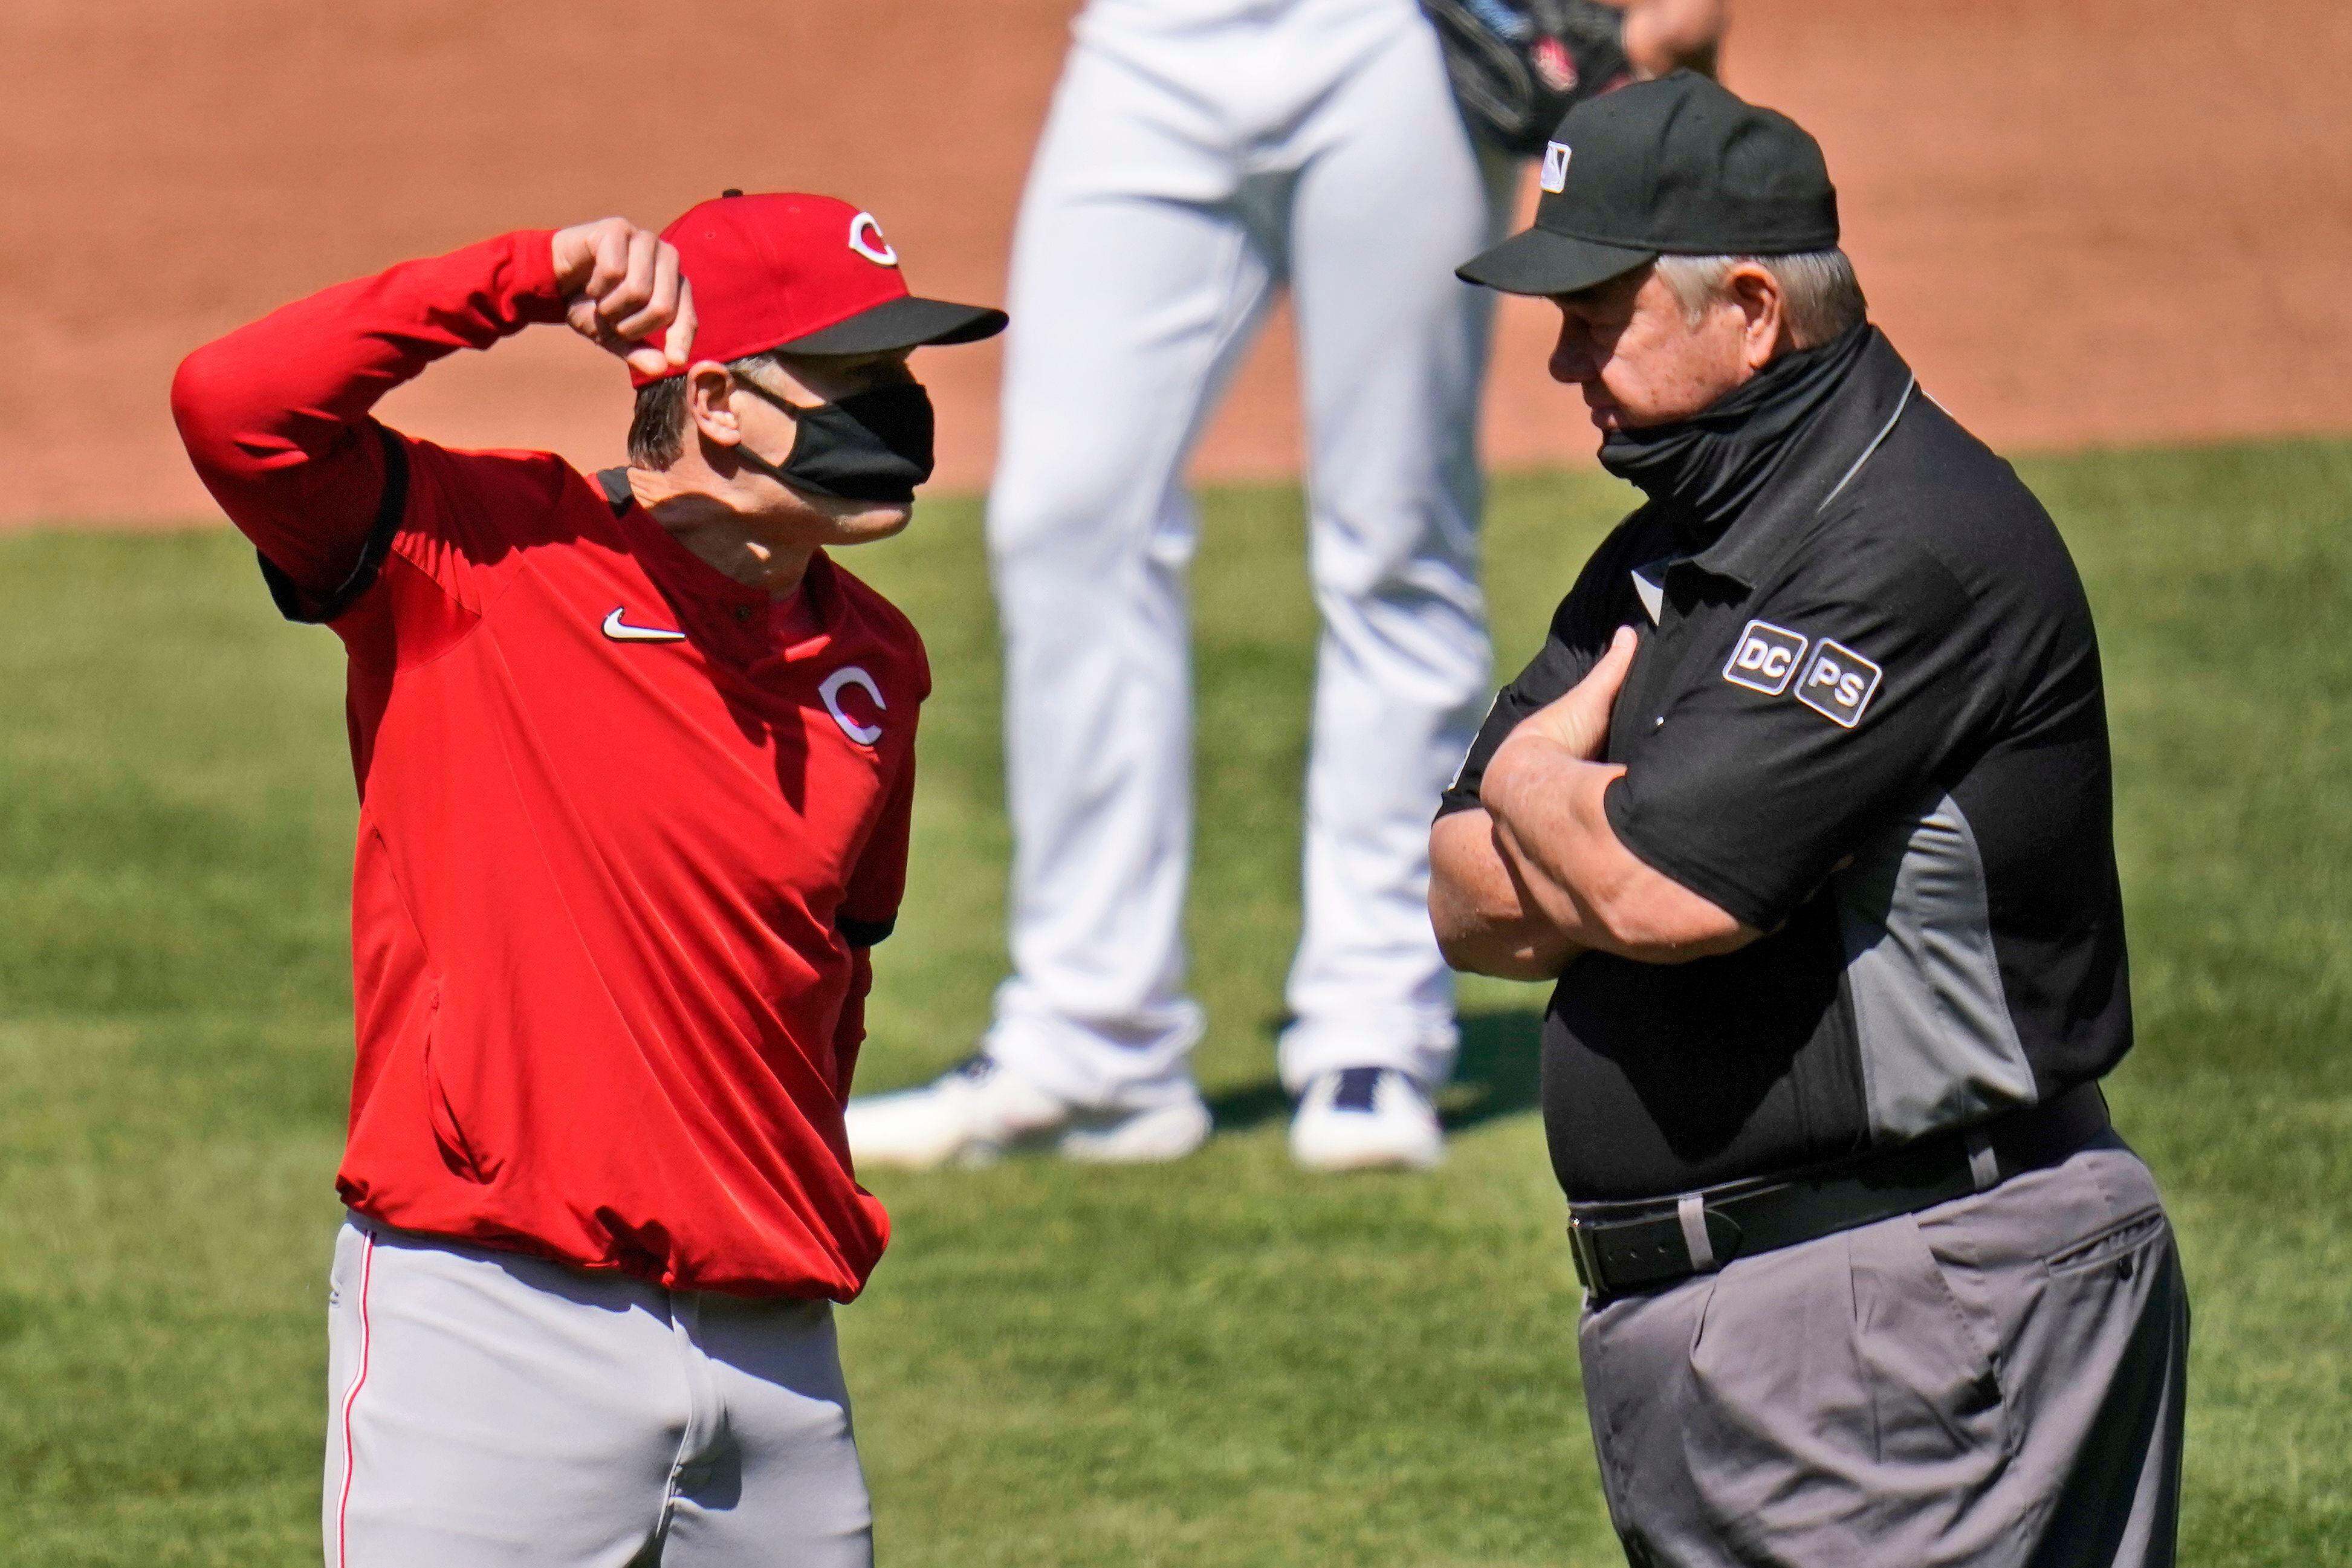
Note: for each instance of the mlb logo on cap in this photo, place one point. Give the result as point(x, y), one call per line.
point(1555, 169)
point(1673, 166)
point(806, 273)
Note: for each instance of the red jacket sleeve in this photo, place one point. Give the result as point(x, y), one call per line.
point(868, 911)
point(275, 415)
point(869, 907)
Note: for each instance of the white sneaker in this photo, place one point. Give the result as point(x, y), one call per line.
point(1366, 1119)
point(975, 1112)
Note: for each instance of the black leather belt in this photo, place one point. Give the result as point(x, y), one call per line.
point(1651, 1242)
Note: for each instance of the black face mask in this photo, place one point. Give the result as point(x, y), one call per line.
point(869, 445)
point(1706, 469)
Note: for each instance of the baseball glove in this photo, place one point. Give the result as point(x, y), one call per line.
point(1518, 66)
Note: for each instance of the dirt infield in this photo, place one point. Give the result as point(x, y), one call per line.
point(2086, 222)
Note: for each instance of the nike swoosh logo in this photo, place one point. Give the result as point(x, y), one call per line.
point(620, 630)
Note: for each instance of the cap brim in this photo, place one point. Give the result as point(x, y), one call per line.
point(902, 323)
point(1542, 262)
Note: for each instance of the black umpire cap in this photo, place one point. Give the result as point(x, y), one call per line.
point(1677, 166)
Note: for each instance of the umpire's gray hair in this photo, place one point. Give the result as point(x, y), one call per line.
point(1819, 296)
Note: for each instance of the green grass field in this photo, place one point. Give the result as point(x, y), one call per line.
point(1218, 1363)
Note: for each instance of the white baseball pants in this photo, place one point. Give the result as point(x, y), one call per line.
point(1199, 153)
point(485, 1408)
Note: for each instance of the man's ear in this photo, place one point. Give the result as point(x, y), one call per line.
point(1762, 312)
point(709, 402)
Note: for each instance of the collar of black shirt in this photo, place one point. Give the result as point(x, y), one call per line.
point(1736, 484)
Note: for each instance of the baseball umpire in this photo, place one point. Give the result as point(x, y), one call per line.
point(634, 762)
point(1805, 802)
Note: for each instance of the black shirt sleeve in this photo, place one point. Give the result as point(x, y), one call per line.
point(1559, 665)
point(1579, 633)
point(1851, 690)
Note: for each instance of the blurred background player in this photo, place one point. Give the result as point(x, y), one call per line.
point(635, 761)
point(1200, 153)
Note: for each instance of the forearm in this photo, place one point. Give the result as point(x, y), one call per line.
point(1487, 918)
point(1551, 823)
point(1544, 801)
point(274, 416)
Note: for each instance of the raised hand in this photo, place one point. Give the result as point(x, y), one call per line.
point(621, 283)
point(1580, 720)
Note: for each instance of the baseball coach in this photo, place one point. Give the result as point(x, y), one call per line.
point(1805, 802)
point(635, 761)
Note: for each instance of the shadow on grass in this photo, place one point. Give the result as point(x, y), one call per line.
point(1498, 1072)
point(1495, 1076)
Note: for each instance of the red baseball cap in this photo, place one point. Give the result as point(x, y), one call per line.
point(806, 273)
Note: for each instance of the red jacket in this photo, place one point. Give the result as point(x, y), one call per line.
point(626, 826)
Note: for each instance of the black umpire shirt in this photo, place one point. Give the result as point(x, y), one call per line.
point(1865, 718)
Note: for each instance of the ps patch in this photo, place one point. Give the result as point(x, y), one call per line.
point(1838, 684)
point(1764, 658)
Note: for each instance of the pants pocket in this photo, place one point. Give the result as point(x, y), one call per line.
point(459, 1153)
point(2119, 1244)
point(1845, 1404)
point(340, 1265)
point(1935, 1397)
point(1775, 1429)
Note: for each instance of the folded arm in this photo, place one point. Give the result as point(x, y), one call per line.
point(1536, 875)
point(1487, 918)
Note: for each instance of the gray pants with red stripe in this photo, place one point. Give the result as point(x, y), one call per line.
point(488, 1408)
point(1996, 1381)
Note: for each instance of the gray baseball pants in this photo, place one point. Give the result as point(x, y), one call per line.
point(490, 1408)
point(1994, 1380)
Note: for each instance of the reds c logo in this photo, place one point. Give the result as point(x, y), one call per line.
point(876, 249)
point(850, 675)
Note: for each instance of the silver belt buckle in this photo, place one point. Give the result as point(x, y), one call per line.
point(1581, 1253)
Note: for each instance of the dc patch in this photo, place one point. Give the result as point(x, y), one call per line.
point(1838, 684)
point(1764, 658)
point(1555, 169)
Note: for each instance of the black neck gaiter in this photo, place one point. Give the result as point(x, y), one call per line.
point(1703, 471)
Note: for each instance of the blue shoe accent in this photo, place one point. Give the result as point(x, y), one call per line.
point(1357, 1086)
